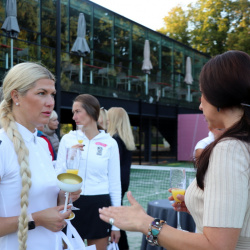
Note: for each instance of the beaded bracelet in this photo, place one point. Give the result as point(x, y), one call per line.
point(153, 231)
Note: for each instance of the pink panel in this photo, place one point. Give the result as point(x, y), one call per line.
point(191, 129)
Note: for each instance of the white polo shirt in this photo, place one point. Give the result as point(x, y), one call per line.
point(43, 192)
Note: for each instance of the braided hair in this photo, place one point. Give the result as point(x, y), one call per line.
point(21, 78)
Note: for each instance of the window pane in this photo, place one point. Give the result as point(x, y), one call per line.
point(102, 30)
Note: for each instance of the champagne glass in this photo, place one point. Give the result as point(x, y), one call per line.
point(79, 133)
point(72, 165)
point(178, 185)
point(156, 190)
point(69, 183)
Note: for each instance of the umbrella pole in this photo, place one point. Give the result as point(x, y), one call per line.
point(188, 96)
point(129, 85)
point(11, 52)
point(91, 77)
point(146, 85)
point(6, 61)
point(80, 80)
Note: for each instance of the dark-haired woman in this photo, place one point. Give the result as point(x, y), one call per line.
point(219, 197)
point(99, 169)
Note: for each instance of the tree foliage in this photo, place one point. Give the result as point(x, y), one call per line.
point(211, 26)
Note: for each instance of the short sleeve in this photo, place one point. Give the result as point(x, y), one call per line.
point(8, 157)
point(226, 188)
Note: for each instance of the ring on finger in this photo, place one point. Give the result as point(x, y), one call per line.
point(111, 221)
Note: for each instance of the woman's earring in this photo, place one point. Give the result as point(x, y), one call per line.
point(17, 103)
point(218, 109)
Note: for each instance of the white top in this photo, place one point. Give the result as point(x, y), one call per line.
point(43, 192)
point(204, 142)
point(99, 165)
point(225, 201)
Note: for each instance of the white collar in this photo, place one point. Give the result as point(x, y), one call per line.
point(26, 134)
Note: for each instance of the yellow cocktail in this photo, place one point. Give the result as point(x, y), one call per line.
point(176, 191)
point(72, 171)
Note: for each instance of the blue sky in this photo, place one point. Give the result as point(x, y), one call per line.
point(148, 13)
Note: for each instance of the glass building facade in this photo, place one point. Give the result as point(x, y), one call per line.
point(113, 67)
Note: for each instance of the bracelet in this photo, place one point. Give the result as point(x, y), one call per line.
point(153, 231)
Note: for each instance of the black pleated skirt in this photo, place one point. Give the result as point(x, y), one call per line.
point(87, 221)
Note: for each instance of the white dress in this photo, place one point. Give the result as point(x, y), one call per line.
point(225, 201)
point(43, 192)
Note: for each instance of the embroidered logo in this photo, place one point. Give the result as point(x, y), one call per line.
point(101, 144)
point(99, 150)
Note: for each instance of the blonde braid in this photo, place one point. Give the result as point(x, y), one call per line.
point(9, 125)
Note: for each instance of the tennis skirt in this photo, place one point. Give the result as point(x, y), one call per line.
point(87, 221)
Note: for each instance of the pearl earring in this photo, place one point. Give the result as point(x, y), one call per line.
point(17, 103)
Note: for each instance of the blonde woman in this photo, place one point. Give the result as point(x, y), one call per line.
point(30, 201)
point(120, 129)
point(50, 130)
point(102, 120)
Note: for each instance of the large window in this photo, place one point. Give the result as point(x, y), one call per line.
point(102, 37)
point(138, 40)
point(48, 23)
point(166, 62)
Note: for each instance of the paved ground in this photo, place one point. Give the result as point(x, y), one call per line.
point(134, 240)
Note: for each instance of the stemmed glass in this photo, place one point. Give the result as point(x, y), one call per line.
point(156, 190)
point(79, 133)
point(69, 183)
point(178, 185)
point(72, 165)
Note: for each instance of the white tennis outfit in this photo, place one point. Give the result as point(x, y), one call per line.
point(99, 166)
point(225, 201)
point(43, 192)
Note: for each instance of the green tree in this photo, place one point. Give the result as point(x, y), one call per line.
point(211, 26)
point(239, 37)
point(176, 25)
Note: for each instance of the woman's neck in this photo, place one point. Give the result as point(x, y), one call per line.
point(232, 116)
point(91, 133)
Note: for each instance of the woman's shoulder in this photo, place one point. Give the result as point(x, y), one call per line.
point(69, 136)
point(5, 141)
point(233, 148)
point(229, 143)
point(106, 138)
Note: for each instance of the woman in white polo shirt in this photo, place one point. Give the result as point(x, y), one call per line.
point(99, 169)
point(29, 196)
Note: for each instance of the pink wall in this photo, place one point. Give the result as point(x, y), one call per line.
point(191, 129)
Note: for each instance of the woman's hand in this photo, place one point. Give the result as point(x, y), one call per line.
point(128, 218)
point(80, 146)
point(74, 196)
point(115, 236)
point(52, 218)
point(177, 206)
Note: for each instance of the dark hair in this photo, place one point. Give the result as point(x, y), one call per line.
point(225, 83)
point(91, 105)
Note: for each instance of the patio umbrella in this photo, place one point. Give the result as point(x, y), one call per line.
point(188, 77)
point(147, 65)
point(80, 45)
point(10, 25)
